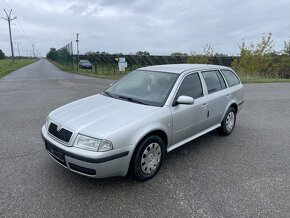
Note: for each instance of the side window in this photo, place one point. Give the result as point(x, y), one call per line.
point(190, 86)
point(222, 81)
point(214, 81)
point(231, 78)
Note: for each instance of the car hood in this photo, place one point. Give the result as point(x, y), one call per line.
point(99, 115)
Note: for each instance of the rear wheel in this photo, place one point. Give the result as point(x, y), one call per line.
point(228, 123)
point(148, 158)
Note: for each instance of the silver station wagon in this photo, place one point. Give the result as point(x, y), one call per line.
point(137, 120)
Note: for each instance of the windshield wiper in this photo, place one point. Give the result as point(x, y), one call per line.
point(131, 99)
point(108, 94)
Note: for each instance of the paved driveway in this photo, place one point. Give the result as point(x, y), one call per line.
point(244, 175)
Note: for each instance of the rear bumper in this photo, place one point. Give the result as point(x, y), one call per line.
point(88, 163)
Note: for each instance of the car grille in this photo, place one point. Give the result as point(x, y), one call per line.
point(63, 134)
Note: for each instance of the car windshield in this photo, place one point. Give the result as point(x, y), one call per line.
point(85, 62)
point(144, 87)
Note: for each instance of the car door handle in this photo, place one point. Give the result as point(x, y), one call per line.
point(204, 105)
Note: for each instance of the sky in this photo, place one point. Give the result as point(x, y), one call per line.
point(160, 27)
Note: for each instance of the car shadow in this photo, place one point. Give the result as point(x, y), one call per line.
point(176, 157)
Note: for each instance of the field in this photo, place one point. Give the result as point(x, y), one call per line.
point(101, 71)
point(6, 65)
point(110, 72)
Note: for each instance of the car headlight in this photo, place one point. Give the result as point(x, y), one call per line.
point(92, 144)
point(47, 122)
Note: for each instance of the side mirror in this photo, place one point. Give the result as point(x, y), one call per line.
point(185, 100)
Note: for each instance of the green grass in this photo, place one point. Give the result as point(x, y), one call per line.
point(263, 80)
point(106, 72)
point(6, 65)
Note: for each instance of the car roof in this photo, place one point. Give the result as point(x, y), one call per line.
point(180, 68)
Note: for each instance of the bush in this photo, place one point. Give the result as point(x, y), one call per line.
point(260, 60)
point(2, 55)
point(204, 58)
point(254, 59)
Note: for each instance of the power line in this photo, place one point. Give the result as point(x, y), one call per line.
point(2, 5)
point(18, 22)
point(18, 50)
point(5, 4)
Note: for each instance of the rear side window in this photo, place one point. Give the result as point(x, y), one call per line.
point(190, 86)
point(231, 78)
point(214, 81)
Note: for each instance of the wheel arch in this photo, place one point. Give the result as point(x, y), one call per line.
point(231, 104)
point(235, 106)
point(159, 133)
point(162, 134)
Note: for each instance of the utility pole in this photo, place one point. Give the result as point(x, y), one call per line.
point(33, 50)
point(78, 53)
point(9, 19)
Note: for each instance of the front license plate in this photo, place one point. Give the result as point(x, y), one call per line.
point(54, 151)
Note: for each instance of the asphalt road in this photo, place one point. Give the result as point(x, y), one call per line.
point(246, 174)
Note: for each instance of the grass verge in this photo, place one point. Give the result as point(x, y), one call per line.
point(6, 65)
point(111, 73)
point(263, 80)
point(105, 72)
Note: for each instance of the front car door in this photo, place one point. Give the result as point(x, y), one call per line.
point(189, 120)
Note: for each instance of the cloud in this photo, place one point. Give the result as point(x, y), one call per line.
point(160, 27)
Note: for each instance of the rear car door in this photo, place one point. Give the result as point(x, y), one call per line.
point(189, 119)
point(234, 85)
point(218, 96)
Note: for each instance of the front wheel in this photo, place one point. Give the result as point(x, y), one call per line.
point(228, 123)
point(148, 158)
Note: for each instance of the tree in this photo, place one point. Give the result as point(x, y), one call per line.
point(220, 55)
point(286, 49)
point(255, 59)
point(90, 53)
point(142, 53)
point(51, 54)
point(179, 54)
point(203, 58)
point(2, 55)
point(281, 62)
point(104, 53)
point(208, 50)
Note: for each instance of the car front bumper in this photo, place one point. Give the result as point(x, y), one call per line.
point(89, 163)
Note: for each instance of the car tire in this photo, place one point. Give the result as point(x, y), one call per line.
point(148, 157)
point(228, 123)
